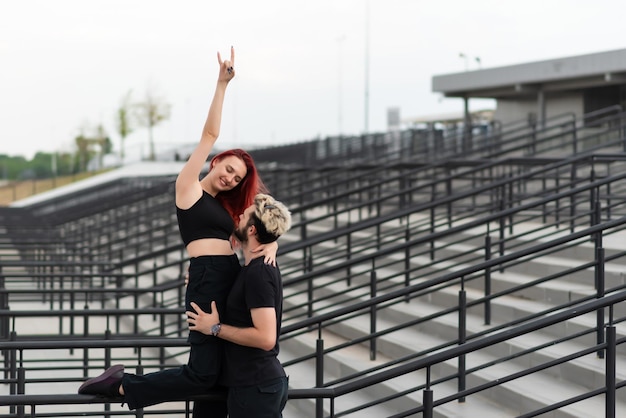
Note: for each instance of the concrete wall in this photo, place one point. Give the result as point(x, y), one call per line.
point(517, 109)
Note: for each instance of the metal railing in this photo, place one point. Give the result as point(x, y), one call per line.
point(510, 200)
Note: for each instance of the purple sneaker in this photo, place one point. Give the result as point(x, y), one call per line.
point(107, 384)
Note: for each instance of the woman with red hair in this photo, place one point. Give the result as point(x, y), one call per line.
point(208, 210)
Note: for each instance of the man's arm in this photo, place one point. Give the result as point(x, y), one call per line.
point(261, 335)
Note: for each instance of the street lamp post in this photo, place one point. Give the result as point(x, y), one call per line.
point(339, 84)
point(367, 65)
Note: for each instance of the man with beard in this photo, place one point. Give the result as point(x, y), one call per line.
point(256, 381)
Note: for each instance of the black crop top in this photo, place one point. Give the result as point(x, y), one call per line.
point(205, 219)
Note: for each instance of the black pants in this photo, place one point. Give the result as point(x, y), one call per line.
point(210, 279)
point(266, 400)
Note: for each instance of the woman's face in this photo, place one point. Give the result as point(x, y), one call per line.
point(228, 172)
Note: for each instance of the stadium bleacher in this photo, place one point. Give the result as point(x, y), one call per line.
point(425, 275)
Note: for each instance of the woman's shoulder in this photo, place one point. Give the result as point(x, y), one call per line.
point(185, 199)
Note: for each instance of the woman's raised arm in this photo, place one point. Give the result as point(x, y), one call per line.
point(188, 188)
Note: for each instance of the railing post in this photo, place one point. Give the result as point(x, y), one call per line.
point(86, 323)
point(594, 214)
point(336, 215)
point(319, 371)
point(449, 204)
point(544, 207)
point(572, 207)
point(608, 201)
point(622, 131)
point(139, 371)
point(402, 197)
point(154, 283)
point(427, 397)
point(13, 389)
point(599, 281)
point(501, 228)
point(533, 136)
point(574, 136)
point(610, 375)
point(373, 315)
point(107, 350)
point(487, 280)
point(4, 304)
point(309, 289)
point(378, 202)
point(348, 255)
point(21, 389)
point(61, 294)
point(303, 226)
point(510, 196)
point(557, 203)
point(407, 261)
point(462, 336)
point(307, 259)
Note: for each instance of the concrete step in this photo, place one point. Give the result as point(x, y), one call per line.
point(581, 372)
point(346, 362)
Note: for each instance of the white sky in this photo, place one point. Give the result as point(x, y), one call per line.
point(66, 64)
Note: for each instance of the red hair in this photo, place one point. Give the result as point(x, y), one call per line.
point(236, 200)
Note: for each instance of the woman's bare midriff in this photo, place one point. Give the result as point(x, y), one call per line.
point(209, 246)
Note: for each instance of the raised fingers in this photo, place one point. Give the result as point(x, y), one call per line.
point(227, 66)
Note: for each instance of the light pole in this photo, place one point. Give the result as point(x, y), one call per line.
point(367, 65)
point(339, 84)
point(462, 55)
point(466, 59)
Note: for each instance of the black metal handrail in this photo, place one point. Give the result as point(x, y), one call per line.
point(509, 208)
point(346, 388)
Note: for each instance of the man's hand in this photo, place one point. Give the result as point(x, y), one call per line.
point(202, 321)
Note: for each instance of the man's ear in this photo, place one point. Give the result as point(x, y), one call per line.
point(253, 231)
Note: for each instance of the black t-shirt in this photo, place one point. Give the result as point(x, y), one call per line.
point(258, 285)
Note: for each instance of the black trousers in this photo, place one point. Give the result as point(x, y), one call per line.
point(265, 400)
point(210, 279)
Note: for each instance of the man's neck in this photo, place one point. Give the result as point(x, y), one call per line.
point(247, 247)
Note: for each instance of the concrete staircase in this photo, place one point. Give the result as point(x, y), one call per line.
point(507, 400)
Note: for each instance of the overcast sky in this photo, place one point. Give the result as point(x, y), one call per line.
point(65, 65)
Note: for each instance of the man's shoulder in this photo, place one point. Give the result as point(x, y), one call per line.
point(258, 266)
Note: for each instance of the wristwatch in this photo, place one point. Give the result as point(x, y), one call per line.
point(215, 329)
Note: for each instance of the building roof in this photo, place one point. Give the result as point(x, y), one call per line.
point(561, 74)
point(452, 117)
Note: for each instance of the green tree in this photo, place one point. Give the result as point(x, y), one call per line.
point(65, 164)
point(123, 122)
point(11, 168)
point(152, 111)
point(82, 152)
point(91, 145)
point(41, 165)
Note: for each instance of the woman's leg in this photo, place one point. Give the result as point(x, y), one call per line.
point(210, 279)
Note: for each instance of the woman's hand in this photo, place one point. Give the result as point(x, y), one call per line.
point(227, 67)
point(202, 321)
point(268, 251)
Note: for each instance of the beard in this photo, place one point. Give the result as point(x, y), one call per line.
point(241, 235)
